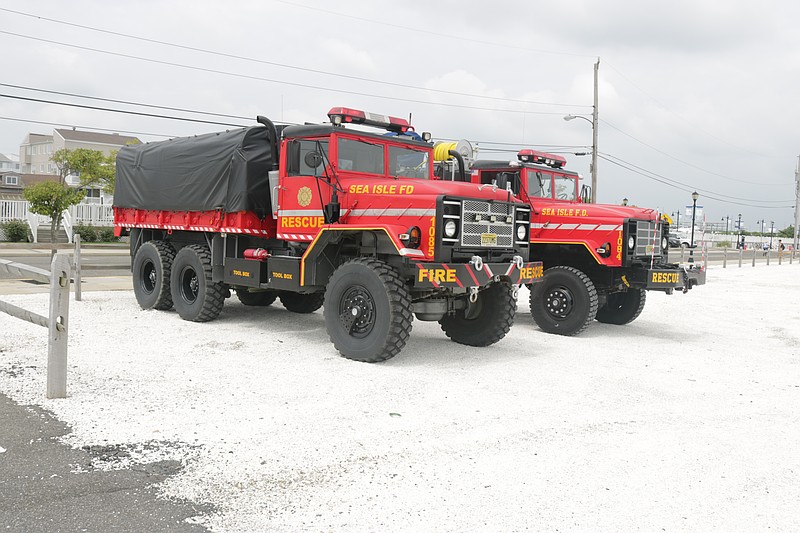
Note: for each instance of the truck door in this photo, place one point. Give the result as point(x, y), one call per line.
point(305, 190)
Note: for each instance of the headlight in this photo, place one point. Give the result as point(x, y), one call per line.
point(521, 232)
point(450, 229)
point(664, 243)
point(631, 242)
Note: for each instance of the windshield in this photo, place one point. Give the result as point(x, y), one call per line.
point(539, 183)
point(360, 156)
point(408, 163)
point(565, 188)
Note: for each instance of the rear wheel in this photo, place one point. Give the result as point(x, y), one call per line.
point(195, 296)
point(302, 303)
point(256, 298)
point(564, 302)
point(484, 322)
point(622, 307)
point(367, 310)
point(151, 273)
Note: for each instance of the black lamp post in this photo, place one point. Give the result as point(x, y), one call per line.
point(624, 201)
point(727, 218)
point(695, 196)
point(771, 231)
point(739, 227)
point(677, 218)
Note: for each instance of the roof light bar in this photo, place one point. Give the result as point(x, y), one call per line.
point(542, 158)
point(343, 115)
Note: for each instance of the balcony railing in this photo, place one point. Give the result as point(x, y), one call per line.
point(86, 213)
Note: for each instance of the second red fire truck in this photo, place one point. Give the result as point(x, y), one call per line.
point(599, 259)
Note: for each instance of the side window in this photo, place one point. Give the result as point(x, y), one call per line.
point(306, 158)
point(360, 156)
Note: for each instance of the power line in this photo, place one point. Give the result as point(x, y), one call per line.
point(110, 110)
point(85, 128)
point(101, 99)
point(434, 33)
point(683, 187)
point(283, 65)
point(686, 162)
point(269, 80)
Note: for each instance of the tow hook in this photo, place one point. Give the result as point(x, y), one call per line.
point(476, 262)
point(515, 292)
point(518, 261)
point(473, 294)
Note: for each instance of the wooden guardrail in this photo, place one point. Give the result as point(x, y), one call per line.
point(57, 322)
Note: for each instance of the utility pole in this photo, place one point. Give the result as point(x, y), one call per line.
point(796, 203)
point(594, 136)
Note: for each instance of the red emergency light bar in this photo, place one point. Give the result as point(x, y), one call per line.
point(340, 115)
point(542, 158)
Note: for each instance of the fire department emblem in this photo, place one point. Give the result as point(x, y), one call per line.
point(304, 196)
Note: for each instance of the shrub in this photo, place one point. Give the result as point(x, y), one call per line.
point(106, 235)
point(87, 233)
point(723, 244)
point(16, 230)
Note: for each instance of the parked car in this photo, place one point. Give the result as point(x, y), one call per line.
point(674, 241)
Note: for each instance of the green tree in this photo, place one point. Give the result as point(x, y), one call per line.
point(51, 198)
point(787, 232)
point(93, 166)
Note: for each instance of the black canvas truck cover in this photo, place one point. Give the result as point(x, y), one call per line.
point(226, 170)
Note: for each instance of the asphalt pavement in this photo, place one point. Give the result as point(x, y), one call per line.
point(46, 486)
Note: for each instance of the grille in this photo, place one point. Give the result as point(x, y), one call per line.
point(645, 243)
point(472, 230)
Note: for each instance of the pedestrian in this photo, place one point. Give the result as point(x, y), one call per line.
point(781, 246)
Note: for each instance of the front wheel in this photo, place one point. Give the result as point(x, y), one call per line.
point(485, 321)
point(622, 307)
point(367, 310)
point(564, 302)
point(195, 296)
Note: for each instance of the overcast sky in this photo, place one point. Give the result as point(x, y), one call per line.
point(693, 95)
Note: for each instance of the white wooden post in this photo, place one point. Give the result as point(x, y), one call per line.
point(741, 253)
point(58, 325)
point(77, 267)
point(725, 257)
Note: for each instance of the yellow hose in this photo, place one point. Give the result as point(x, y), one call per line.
point(441, 150)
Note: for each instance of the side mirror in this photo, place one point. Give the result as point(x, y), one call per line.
point(586, 194)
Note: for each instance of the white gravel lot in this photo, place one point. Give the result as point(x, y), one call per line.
point(688, 419)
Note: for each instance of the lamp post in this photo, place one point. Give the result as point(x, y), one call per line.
point(695, 196)
point(726, 224)
point(624, 201)
point(593, 165)
point(677, 219)
point(739, 227)
point(771, 232)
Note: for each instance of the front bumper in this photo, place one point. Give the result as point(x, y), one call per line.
point(670, 277)
point(476, 274)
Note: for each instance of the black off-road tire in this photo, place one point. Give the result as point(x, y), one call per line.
point(256, 298)
point(152, 265)
point(302, 303)
point(367, 310)
point(622, 307)
point(195, 296)
point(486, 321)
point(564, 302)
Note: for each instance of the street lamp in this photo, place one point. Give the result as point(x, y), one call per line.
point(695, 196)
point(771, 232)
point(624, 201)
point(677, 215)
point(593, 165)
point(739, 227)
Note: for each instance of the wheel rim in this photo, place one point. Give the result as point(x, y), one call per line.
point(149, 277)
point(357, 311)
point(189, 285)
point(559, 302)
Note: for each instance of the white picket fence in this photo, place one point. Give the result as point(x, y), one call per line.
point(86, 213)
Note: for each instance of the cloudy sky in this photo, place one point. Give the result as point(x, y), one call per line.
point(693, 95)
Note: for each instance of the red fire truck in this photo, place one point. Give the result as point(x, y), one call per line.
point(323, 213)
point(599, 259)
